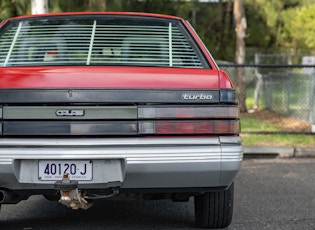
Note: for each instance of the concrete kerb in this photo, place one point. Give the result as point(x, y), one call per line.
point(282, 152)
point(305, 152)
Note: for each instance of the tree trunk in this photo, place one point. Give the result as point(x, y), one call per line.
point(240, 29)
point(39, 6)
point(227, 20)
point(102, 4)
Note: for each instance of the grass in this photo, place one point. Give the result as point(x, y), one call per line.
point(251, 124)
point(297, 86)
point(287, 140)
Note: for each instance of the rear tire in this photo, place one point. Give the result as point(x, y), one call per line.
point(214, 209)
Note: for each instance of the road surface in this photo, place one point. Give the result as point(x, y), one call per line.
point(269, 194)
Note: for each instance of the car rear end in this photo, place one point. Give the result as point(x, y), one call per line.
point(95, 105)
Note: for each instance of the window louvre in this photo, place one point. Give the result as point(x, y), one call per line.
point(99, 41)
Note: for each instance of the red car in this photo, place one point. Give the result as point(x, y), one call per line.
point(96, 105)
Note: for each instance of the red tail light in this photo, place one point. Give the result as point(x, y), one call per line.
point(168, 120)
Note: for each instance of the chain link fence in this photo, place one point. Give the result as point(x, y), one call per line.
point(279, 97)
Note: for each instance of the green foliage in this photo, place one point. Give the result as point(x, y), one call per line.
point(9, 8)
point(273, 25)
point(299, 27)
point(281, 24)
point(266, 21)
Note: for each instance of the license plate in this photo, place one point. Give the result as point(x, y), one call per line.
point(55, 169)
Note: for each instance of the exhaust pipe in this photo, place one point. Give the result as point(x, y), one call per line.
point(9, 197)
point(2, 196)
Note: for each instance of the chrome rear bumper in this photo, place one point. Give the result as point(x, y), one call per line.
point(136, 162)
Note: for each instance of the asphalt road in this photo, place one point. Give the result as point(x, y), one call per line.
point(269, 194)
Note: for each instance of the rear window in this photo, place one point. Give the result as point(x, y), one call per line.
point(98, 40)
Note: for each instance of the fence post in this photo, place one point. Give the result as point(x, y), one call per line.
point(288, 82)
point(312, 108)
point(259, 82)
point(268, 91)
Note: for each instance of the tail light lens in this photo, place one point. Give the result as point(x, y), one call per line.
point(192, 112)
point(189, 127)
point(186, 120)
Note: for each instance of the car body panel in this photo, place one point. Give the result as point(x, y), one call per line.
point(154, 163)
point(107, 77)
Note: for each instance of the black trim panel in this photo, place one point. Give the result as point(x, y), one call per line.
point(33, 96)
point(70, 128)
